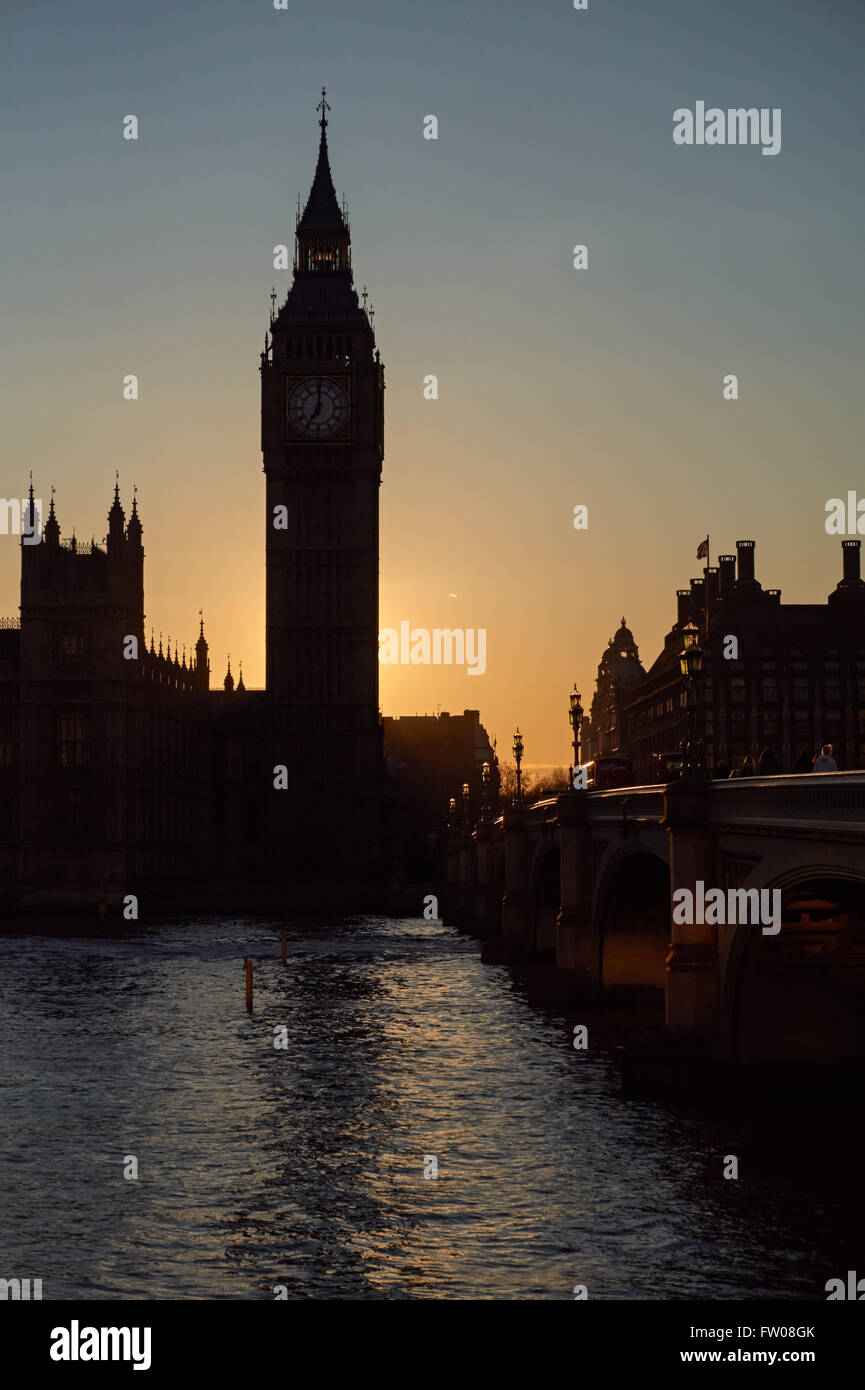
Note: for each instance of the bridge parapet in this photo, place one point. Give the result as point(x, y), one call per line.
point(822, 800)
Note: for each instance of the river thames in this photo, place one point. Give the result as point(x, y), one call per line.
point(303, 1166)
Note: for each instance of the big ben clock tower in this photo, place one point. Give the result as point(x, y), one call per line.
point(322, 386)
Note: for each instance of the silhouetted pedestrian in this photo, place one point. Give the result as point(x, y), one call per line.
point(803, 762)
point(768, 763)
point(749, 767)
point(824, 762)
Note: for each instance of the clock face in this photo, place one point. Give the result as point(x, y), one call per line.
point(318, 407)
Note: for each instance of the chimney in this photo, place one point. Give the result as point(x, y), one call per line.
point(683, 598)
point(852, 585)
point(727, 572)
point(698, 601)
point(851, 562)
point(745, 552)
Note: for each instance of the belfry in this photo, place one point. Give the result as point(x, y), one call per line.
point(322, 391)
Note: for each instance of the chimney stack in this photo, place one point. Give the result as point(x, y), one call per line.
point(683, 598)
point(745, 552)
point(727, 572)
point(852, 585)
point(851, 562)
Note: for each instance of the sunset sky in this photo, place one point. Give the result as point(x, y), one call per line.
point(556, 386)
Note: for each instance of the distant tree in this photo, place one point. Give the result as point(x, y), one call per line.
point(546, 782)
point(509, 782)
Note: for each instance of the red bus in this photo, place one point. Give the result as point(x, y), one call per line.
point(608, 771)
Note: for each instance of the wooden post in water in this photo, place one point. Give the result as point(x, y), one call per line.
point(248, 963)
point(284, 935)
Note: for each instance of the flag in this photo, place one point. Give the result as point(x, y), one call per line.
point(703, 549)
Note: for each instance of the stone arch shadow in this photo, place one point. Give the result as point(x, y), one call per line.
point(545, 896)
point(631, 922)
point(799, 997)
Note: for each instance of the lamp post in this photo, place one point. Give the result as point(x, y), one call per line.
point(452, 807)
point(690, 665)
point(575, 715)
point(467, 815)
point(518, 758)
point(486, 788)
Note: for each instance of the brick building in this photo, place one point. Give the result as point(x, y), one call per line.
point(796, 680)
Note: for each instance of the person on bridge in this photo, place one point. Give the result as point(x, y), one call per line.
point(803, 762)
point(768, 763)
point(749, 766)
point(824, 762)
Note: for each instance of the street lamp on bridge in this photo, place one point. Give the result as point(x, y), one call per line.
point(518, 758)
point(690, 665)
point(486, 794)
point(575, 715)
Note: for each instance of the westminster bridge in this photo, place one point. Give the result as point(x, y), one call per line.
point(582, 885)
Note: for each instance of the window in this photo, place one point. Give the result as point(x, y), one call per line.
point(71, 740)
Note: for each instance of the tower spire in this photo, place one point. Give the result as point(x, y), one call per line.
point(322, 233)
point(323, 107)
point(116, 517)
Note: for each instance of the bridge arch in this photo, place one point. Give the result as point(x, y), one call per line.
point(799, 996)
point(632, 920)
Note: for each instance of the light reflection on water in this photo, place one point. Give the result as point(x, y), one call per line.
point(304, 1167)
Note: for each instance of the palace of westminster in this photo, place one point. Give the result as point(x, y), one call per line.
point(122, 776)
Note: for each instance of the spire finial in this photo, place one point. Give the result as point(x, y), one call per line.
point(323, 107)
point(201, 620)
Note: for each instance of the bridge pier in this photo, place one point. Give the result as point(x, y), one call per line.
point(574, 945)
point(484, 886)
point(516, 939)
point(465, 882)
point(450, 907)
point(692, 979)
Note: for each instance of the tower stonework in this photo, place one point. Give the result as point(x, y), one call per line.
point(322, 385)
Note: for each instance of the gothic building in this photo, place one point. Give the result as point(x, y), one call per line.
point(121, 771)
point(793, 679)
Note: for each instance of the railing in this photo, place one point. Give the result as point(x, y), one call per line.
point(819, 797)
point(10, 622)
point(823, 799)
point(643, 804)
